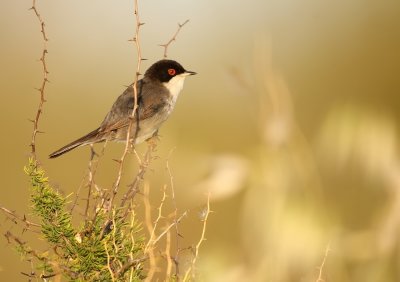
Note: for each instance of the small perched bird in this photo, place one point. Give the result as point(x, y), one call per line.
point(157, 92)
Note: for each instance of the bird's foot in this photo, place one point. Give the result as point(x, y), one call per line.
point(152, 141)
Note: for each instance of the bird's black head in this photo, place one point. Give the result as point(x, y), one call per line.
point(164, 70)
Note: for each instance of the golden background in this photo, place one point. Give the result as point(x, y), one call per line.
point(292, 124)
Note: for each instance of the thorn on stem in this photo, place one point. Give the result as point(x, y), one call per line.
point(116, 160)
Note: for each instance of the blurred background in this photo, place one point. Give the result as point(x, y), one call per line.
point(291, 123)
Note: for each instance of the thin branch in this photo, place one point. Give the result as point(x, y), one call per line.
point(166, 45)
point(150, 228)
point(168, 256)
point(177, 234)
point(321, 267)
point(44, 80)
point(133, 187)
point(201, 240)
point(147, 208)
point(42, 24)
point(133, 241)
point(129, 265)
point(92, 172)
point(91, 180)
point(169, 227)
point(20, 218)
point(129, 141)
point(90, 176)
point(11, 238)
point(32, 266)
point(159, 216)
point(109, 262)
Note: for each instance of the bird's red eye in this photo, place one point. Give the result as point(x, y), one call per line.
point(171, 72)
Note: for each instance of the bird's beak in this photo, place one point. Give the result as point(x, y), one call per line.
point(186, 73)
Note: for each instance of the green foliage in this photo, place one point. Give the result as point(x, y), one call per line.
point(49, 205)
point(106, 248)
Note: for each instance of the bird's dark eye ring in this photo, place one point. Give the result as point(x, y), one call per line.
point(171, 71)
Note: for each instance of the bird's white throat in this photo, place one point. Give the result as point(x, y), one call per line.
point(175, 85)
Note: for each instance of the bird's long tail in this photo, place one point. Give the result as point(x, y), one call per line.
point(90, 138)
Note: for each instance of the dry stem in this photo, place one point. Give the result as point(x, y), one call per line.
point(150, 229)
point(168, 256)
point(134, 186)
point(177, 234)
point(169, 227)
point(321, 267)
point(129, 141)
point(201, 240)
point(109, 262)
point(23, 219)
point(44, 80)
point(166, 45)
point(153, 227)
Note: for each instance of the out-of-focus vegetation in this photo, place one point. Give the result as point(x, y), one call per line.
point(292, 124)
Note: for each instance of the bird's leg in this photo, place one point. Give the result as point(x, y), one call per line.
point(152, 141)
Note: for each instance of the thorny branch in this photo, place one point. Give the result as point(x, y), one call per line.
point(177, 234)
point(169, 227)
point(129, 140)
point(131, 263)
point(14, 216)
point(153, 227)
point(44, 80)
point(166, 45)
point(134, 186)
point(201, 240)
point(92, 169)
point(11, 238)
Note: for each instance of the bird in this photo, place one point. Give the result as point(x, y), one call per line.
point(157, 93)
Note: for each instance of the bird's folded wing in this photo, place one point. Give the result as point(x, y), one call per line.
point(149, 103)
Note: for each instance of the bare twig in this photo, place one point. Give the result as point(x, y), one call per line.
point(77, 194)
point(133, 241)
point(44, 80)
point(23, 219)
point(150, 228)
point(32, 266)
point(159, 216)
point(109, 262)
point(90, 176)
point(177, 234)
point(90, 184)
point(134, 186)
point(12, 239)
point(201, 240)
point(169, 227)
point(168, 256)
point(129, 141)
point(166, 45)
point(129, 264)
point(321, 267)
